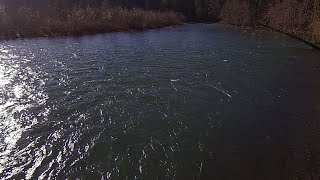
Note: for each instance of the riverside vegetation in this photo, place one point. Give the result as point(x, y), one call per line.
point(28, 22)
point(300, 18)
point(72, 17)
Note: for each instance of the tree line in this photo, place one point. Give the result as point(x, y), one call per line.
point(210, 10)
point(300, 17)
point(190, 8)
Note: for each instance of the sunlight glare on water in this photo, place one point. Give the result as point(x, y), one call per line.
point(196, 101)
point(20, 89)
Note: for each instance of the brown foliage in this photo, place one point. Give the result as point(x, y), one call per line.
point(295, 17)
point(288, 15)
point(237, 12)
point(77, 21)
point(315, 30)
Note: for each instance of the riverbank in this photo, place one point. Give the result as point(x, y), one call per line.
point(80, 21)
point(297, 18)
point(260, 28)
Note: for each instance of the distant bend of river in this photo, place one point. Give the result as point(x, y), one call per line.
point(195, 101)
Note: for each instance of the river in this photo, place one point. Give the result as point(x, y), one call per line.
point(195, 101)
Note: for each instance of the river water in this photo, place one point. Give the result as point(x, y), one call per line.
point(195, 101)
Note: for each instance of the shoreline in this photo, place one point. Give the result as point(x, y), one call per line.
point(258, 27)
point(17, 37)
point(83, 21)
point(254, 27)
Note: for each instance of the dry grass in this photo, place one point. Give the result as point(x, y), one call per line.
point(289, 16)
point(78, 21)
point(315, 26)
point(295, 17)
point(236, 12)
point(298, 17)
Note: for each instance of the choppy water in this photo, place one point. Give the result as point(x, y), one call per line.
point(191, 102)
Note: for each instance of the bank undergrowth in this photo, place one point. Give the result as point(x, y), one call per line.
point(300, 18)
point(27, 22)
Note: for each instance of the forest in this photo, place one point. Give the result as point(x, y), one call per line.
point(299, 17)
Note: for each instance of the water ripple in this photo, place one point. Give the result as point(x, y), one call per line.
point(192, 102)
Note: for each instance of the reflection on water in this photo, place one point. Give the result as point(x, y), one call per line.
point(192, 102)
point(21, 91)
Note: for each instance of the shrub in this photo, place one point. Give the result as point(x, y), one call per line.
point(237, 12)
point(294, 16)
point(77, 21)
point(315, 26)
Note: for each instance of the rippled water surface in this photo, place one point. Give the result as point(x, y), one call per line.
point(191, 102)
